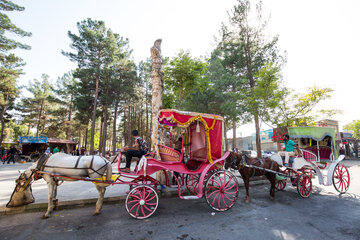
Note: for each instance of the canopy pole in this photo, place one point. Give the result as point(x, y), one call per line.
point(317, 143)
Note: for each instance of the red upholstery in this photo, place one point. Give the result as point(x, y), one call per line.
point(308, 156)
point(199, 154)
point(324, 152)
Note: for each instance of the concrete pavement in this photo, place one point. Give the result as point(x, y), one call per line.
point(81, 193)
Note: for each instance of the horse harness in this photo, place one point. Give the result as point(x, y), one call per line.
point(42, 164)
point(244, 163)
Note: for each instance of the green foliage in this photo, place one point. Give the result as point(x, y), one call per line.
point(298, 109)
point(268, 92)
point(13, 131)
point(10, 65)
point(182, 76)
point(354, 127)
point(36, 108)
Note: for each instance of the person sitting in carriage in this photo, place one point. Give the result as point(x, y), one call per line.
point(139, 149)
point(289, 150)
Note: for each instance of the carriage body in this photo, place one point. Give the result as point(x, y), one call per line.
point(195, 166)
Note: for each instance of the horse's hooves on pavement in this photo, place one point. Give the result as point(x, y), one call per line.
point(96, 213)
point(44, 217)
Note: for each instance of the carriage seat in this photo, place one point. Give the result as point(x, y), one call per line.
point(199, 154)
point(308, 155)
point(168, 154)
point(324, 152)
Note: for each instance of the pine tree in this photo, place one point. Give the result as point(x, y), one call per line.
point(10, 65)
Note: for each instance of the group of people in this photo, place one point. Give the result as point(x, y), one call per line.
point(8, 155)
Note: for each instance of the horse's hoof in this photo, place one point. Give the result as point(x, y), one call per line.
point(247, 201)
point(272, 198)
point(96, 213)
point(44, 217)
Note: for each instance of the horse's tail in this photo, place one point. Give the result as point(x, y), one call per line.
point(108, 171)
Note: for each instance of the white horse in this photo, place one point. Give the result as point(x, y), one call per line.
point(61, 167)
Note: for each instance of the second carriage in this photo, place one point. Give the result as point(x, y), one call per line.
point(317, 156)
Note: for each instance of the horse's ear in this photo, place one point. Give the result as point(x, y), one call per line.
point(19, 171)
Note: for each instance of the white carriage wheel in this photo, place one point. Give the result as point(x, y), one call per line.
point(341, 178)
point(221, 190)
point(141, 202)
point(304, 185)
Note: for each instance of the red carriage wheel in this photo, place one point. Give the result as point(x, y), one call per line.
point(280, 185)
point(221, 190)
point(304, 185)
point(192, 182)
point(341, 178)
point(141, 202)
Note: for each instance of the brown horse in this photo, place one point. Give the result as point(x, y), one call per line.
point(239, 161)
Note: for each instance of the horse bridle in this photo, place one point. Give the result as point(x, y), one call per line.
point(234, 163)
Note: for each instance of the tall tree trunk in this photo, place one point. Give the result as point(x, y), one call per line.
point(69, 120)
point(3, 110)
point(147, 111)
point(131, 126)
point(257, 130)
point(104, 138)
point(79, 143)
point(93, 118)
point(40, 115)
point(114, 128)
point(226, 141)
point(157, 90)
point(86, 135)
point(28, 131)
point(101, 135)
point(252, 86)
point(234, 134)
point(125, 126)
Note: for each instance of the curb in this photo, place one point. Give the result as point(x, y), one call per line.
point(40, 207)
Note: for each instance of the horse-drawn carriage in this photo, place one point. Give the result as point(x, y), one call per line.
point(317, 155)
point(198, 167)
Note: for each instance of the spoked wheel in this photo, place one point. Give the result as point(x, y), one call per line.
point(192, 183)
point(141, 202)
point(280, 185)
point(341, 178)
point(221, 190)
point(304, 185)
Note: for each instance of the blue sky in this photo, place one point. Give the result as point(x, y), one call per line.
point(320, 37)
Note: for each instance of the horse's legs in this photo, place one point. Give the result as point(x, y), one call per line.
point(246, 178)
point(55, 201)
point(51, 185)
point(100, 200)
point(271, 177)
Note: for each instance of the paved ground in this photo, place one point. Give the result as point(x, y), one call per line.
point(325, 215)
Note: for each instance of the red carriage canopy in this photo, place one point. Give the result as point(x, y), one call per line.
point(213, 125)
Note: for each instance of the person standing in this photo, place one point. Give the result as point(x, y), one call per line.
point(56, 150)
point(289, 149)
point(12, 152)
point(47, 151)
point(82, 151)
point(139, 149)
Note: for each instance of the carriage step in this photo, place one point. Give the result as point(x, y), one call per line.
point(190, 197)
